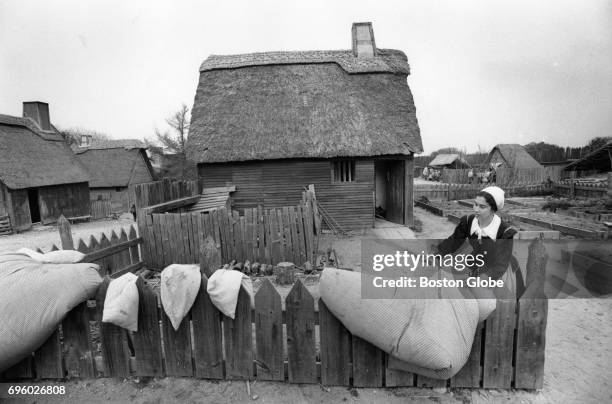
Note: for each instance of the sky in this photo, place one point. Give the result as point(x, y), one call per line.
point(482, 72)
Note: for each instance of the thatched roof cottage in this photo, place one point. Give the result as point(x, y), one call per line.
point(114, 165)
point(448, 160)
point(40, 178)
point(511, 156)
point(345, 121)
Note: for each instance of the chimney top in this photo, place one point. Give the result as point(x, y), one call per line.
point(39, 112)
point(363, 40)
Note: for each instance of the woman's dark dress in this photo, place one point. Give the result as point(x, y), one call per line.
point(498, 254)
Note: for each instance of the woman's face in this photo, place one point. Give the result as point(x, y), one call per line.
point(482, 210)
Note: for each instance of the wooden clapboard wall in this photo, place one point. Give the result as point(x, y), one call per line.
point(278, 183)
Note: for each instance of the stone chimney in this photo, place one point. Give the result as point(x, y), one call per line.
point(364, 46)
point(39, 112)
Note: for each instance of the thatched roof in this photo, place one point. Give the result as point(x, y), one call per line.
point(111, 162)
point(515, 156)
point(30, 157)
point(317, 104)
point(600, 159)
point(452, 159)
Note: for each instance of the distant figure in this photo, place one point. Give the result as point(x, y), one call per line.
point(425, 173)
point(470, 175)
point(133, 211)
point(492, 175)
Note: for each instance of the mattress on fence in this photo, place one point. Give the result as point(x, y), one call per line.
point(34, 299)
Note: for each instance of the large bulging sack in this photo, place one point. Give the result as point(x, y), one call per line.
point(432, 337)
point(223, 288)
point(121, 302)
point(180, 285)
point(34, 298)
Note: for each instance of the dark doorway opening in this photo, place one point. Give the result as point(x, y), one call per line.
point(389, 186)
point(34, 208)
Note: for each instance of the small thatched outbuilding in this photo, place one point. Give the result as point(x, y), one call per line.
point(114, 165)
point(272, 123)
point(511, 156)
point(451, 160)
point(40, 178)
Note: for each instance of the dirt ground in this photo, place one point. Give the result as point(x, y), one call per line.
point(577, 368)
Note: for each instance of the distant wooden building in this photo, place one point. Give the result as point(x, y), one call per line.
point(599, 160)
point(451, 160)
point(40, 178)
point(114, 165)
point(511, 156)
point(272, 123)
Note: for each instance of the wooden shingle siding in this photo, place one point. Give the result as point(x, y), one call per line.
point(70, 200)
point(278, 183)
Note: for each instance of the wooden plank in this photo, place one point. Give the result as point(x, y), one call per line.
point(147, 340)
point(177, 245)
point(281, 234)
point(115, 351)
point(249, 234)
point(275, 239)
point(177, 347)
point(531, 343)
point(218, 239)
point(268, 236)
point(162, 227)
point(236, 236)
point(114, 259)
point(106, 261)
point(134, 255)
point(469, 375)
point(229, 231)
point(171, 205)
point(367, 364)
point(63, 226)
point(78, 355)
point(295, 241)
point(301, 237)
point(398, 378)
point(499, 343)
point(125, 255)
point(238, 340)
point(269, 333)
point(243, 240)
point(261, 235)
point(208, 340)
point(300, 319)
point(424, 381)
point(48, 358)
point(21, 370)
point(308, 235)
point(335, 349)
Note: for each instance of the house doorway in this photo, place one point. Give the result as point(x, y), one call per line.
point(389, 190)
point(34, 207)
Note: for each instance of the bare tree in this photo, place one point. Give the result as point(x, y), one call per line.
point(169, 145)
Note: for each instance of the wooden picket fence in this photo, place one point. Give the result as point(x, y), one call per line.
point(508, 350)
point(451, 192)
point(264, 235)
point(507, 176)
point(154, 193)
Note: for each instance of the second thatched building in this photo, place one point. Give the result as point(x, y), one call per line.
point(345, 121)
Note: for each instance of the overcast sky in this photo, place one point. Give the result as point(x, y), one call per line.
point(482, 72)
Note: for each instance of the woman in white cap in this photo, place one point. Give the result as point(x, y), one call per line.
point(488, 234)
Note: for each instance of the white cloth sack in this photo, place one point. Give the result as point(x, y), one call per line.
point(34, 298)
point(121, 302)
point(432, 336)
point(180, 285)
point(54, 257)
point(223, 288)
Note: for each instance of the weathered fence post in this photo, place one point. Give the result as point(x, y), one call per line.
point(63, 226)
point(572, 184)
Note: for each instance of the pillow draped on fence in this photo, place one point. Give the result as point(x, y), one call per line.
point(223, 288)
point(180, 285)
point(34, 299)
point(121, 302)
point(430, 336)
